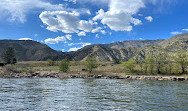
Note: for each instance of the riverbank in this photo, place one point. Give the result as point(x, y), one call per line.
point(53, 74)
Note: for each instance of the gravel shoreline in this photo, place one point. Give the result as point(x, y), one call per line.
point(47, 74)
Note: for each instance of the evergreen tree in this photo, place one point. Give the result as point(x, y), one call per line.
point(9, 56)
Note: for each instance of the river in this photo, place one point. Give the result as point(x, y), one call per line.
point(92, 95)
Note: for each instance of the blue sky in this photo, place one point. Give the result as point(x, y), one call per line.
point(68, 25)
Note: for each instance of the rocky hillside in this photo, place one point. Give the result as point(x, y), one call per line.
point(130, 49)
point(133, 43)
point(133, 49)
point(27, 50)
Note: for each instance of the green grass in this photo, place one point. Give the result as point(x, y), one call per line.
point(77, 66)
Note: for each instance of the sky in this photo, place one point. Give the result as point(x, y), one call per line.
point(68, 25)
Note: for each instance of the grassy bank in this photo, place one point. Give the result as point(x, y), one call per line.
point(79, 66)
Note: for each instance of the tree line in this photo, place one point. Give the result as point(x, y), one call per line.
point(161, 63)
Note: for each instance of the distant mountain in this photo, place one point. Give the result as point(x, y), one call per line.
point(28, 50)
point(133, 49)
point(133, 43)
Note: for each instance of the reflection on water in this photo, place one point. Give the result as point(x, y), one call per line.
point(92, 94)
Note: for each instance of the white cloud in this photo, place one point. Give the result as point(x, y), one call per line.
point(176, 33)
point(58, 39)
point(77, 48)
point(85, 25)
point(119, 16)
point(184, 29)
point(25, 39)
point(67, 22)
point(55, 40)
point(74, 1)
point(74, 49)
point(94, 2)
point(110, 33)
point(68, 36)
point(140, 38)
point(98, 29)
point(140, 14)
point(97, 35)
point(36, 35)
point(17, 10)
point(103, 32)
point(149, 18)
point(63, 50)
point(81, 43)
point(82, 33)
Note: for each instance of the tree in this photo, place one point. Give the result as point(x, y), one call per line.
point(170, 61)
point(160, 61)
point(150, 60)
point(9, 56)
point(145, 66)
point(91, 63)
point(117, 61)
point(182, 59)
point(14, 61)
point(64, 65)
point(130, 65)
point(141, 66)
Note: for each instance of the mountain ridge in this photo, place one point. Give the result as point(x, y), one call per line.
point(28, 50)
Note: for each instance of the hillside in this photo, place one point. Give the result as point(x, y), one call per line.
point(133, 49)
point(126, 50)
point(133, 43)
point(27, 50)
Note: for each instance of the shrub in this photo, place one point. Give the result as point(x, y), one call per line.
point(90, 64)
point(130, 65)
point(12, 69)
point(64, 65)
point(50, 62)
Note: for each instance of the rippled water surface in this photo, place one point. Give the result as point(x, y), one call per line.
point(92, 94)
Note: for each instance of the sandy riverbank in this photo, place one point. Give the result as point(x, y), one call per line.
point(48, 74)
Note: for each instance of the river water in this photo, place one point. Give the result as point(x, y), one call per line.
point(92, 95)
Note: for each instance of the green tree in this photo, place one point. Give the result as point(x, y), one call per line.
point(91, 63)
point(117, 61)
point(160, 61)
point(64, 65)
point(170, 61)
point(130, 65)
point(145, 66)
point(9, 56)
point(141, 66)
point(182, 59)
point(150, 60)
